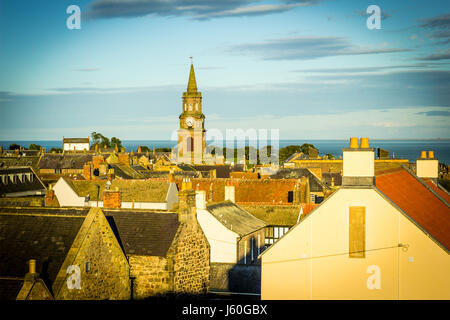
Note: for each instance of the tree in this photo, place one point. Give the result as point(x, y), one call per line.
point(144, 149)
point(329, 156)
point(34, 147)
point(57, 150)
point(116, 142)
point(14, 146)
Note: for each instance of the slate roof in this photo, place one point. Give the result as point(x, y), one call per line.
point(222, 171)
point(64, 161)
point(137, 190)
point(315, 185)
point(10, 288)
point(28, 234)
point(327, 176)
point(147, 233)
point(10, 188)
point(126, 172)
point(19, 161)
point(235, 218)
point(419, 202)
point(76, 140)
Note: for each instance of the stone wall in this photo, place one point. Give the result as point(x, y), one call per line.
point(190, 255)
point(151, 276)
point(107, 276)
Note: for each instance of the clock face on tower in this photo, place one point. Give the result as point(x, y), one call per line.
point(189, 122)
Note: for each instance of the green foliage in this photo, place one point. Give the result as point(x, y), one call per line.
point(144, 149)
point(57, 150)
point(14, 146)
point(34, 147)
point(288, 151)
point(100, 140)
point(329, 156)
point(163, 150)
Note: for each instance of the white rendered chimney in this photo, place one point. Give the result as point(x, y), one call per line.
point(229, 193)
point(358, 163)
point(427, 167)
point(200, 199)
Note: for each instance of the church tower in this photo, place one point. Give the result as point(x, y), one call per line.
point(192, 133)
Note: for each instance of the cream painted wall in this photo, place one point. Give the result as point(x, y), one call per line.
point(223, 242)
point(427, 168)
point(331, 274)
point(358, 163)
point(66, 195)
point(76, 146)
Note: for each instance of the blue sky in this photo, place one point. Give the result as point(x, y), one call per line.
point(309, 68)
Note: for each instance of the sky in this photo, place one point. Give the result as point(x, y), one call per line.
point(312, 69)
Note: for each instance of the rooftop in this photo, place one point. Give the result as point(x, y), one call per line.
point(418, 201)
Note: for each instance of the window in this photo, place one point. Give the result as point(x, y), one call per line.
point(190, 106)
point(290, 196)
point(87, 266)
point(357, 232)
point(313, 198)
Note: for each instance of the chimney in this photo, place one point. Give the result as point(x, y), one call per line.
point(187, 201)
point(200, 199)
point(139, 149)
point(112, 198)
point(427, 167)
point(31, 275)
point(171, 177)
point(111, 174)
point(358, 164)
point(230, 192)
point(49, 196)
point(87, 171)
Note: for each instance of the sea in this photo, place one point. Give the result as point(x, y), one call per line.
point(399, 149)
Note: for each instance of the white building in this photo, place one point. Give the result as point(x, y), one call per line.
point(137, 194)
point(75, 144)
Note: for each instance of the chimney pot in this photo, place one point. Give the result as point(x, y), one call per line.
point(431, 154)
point(354, 143)
point(364, 143)
point(32, 266)
point(423, 154)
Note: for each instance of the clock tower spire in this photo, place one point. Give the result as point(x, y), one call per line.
point(192, 133)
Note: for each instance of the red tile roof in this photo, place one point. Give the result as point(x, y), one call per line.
point(438, 190)
point(417, 201)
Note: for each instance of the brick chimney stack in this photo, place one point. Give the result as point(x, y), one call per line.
point(187, 212)
point(49, 196)
point(112, 199)
point(87, 171)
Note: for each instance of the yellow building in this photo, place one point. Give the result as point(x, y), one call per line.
point(383, 236)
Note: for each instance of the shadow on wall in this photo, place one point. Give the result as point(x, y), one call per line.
point(236, 278)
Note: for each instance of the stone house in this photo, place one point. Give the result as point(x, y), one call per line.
point(115, 253)
point(72, 254)
point(133, 194)
point(167, 251)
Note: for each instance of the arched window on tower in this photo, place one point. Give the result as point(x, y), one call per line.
point(190, 144)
